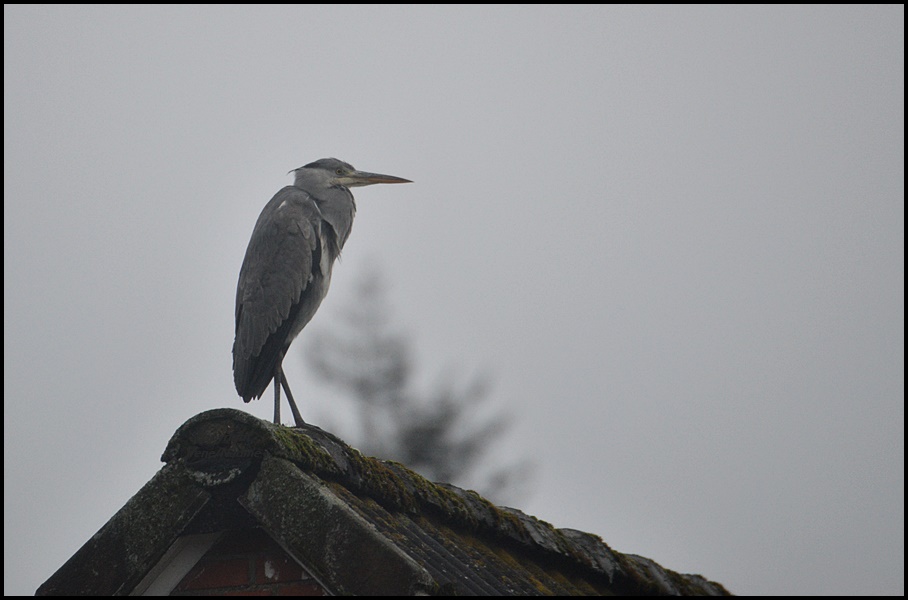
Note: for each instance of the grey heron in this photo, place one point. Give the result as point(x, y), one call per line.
point(287, 270)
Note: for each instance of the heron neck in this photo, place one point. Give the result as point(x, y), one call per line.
point(338, 209)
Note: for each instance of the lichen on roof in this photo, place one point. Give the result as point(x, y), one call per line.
point(504, 549)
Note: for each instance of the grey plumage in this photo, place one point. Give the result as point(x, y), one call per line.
point(287, 269)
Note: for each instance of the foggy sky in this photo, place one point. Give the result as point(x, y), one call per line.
point(673, 236)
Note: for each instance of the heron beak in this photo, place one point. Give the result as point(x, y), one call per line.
point(360, 178)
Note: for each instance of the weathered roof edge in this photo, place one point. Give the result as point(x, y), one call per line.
point(397, 488)
point(138, 535)
point(361, 561)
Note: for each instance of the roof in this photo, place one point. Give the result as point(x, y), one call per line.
point(360, 525)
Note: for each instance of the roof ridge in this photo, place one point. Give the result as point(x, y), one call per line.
point(217, 437)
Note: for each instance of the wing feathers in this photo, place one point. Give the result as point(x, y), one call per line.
point(276, 271)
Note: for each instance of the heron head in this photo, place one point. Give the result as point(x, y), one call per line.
point(338, 173)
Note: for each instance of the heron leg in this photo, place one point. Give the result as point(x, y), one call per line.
point(278, 379)
point(296, 412)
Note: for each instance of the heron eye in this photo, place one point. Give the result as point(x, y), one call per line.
point(339, 171)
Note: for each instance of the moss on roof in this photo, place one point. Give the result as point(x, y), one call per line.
point(359, 524)
point(456, 535)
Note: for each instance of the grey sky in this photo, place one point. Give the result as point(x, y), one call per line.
point(674, 236)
